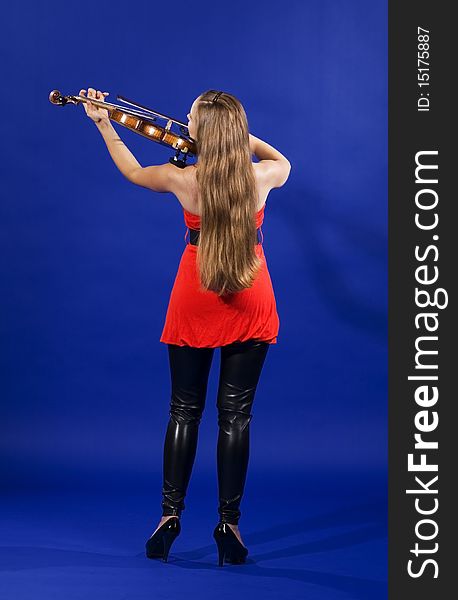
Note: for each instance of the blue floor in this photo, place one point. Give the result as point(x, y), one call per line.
point(320, 537)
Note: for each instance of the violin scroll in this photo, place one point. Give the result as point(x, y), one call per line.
point(55, 97)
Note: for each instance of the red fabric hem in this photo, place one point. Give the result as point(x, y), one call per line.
point(219, 345)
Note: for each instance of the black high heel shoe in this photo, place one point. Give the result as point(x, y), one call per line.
point(158, 545)
point(229, 547)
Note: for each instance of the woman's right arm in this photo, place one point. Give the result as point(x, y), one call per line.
point(273, 165)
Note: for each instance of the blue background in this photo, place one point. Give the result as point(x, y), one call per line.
point(87, 264)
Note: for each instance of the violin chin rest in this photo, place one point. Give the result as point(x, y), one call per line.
point(177, 162)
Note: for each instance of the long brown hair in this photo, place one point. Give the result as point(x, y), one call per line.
point(228, 197)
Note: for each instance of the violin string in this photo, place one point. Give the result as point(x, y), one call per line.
point(136, 113)
point(124, 99)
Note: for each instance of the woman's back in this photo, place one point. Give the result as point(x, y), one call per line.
point(203, 319)
point(186, 189)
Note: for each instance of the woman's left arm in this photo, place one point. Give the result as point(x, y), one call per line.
point(157, 178)
point(160, 178)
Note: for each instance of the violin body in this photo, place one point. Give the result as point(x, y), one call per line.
point(142, 120)
point(151, 131)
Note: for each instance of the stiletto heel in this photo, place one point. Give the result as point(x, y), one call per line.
point(229, 547)
point(221, 552)
point(158, 545)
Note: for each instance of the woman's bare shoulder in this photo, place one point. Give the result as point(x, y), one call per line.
point(272, 173)
point(185, 187)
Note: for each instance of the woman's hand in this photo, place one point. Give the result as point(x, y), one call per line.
point(94, 112)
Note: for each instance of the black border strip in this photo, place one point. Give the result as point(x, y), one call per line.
point(422, 346)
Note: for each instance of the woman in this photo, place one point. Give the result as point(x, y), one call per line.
point(222, 297)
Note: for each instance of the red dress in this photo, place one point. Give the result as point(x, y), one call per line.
point(204, 320)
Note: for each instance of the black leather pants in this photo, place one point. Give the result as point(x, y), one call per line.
point(241, 365)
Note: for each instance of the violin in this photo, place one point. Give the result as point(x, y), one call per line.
point(141, 120)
